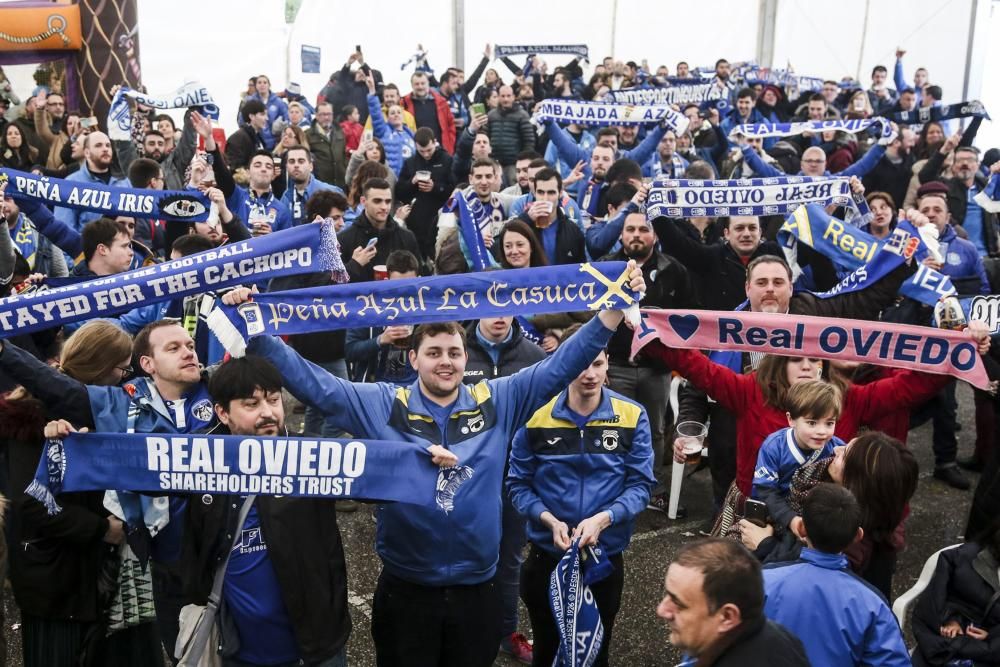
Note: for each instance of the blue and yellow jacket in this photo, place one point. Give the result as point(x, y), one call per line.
point(575, 472)
point(456, 542)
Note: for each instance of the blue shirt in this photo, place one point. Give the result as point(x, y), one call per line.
point(440, 413)
point(491, 348)
point(549, 241)
point(254, 601)
point(268, 208)
point(780, 456)
point(973, 223)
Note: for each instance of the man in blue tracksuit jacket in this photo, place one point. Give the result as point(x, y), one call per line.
point(581, 466)
point(841, 619)
point(174, 399)
point(435, 602)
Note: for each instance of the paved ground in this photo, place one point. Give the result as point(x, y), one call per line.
point(938, 518)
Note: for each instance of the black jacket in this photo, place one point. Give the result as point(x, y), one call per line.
point(764, 643)
point(240, 146)
point(510, 133)
point(392, 237)
point(964, 588)
point(515, 354)
point(718, 272)
point(668, 285)
point(54, 559)
point(304, 546)
point(426, 205)
point(890, 177)
point(570, 243)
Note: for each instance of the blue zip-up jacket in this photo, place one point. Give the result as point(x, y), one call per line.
point(841, 619)
point(962, 262)
point(605, 236)
point(296, 203)
point(77, 219)
point(428, 545)
point(777, 460)
point(574, 472)
point(762, 169)
point(276, 108)
point(398, 144)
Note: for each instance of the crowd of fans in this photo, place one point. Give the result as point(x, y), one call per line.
point(819, 445)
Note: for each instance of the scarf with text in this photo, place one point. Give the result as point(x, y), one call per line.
point(111, 201)
point(684, 94)
point(969, 109)
point(413, 301)
point(856, 250)
point(298, 250)
point(171, 464)
point(918, 348)
point(602, 114)
point(574, 608)
point(778, 195)
point(507, 50)
point(853, 126)
point(190, 95)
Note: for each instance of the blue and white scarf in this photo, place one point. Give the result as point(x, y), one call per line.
point(852, 248)
point(779, 195)
point(985, 309)
point(762, 75)
point(764, 130)
point(971, 108)
point(172, 464)
point(506, 50)
point(190, 95)
point(601, 114)
point(574, 608)
point(989, 197)
point(172, 205)
point(673, 95)
point(549, 289)
point(298, 250)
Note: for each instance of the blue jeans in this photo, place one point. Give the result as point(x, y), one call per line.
point(339, 660)
point(513, 536)
point(316, 423)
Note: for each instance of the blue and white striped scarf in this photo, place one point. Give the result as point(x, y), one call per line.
point(854, 126)
point(506, 50)
point(971, 108)
point(603, 114)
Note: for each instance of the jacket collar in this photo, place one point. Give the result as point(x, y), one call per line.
point(417, 405)
point(824, 560)
point(986, 566)
point(604, 411)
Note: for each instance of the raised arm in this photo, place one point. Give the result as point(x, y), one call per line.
point(866, 163)
point(759, 167)
point(569, 151)
point(64, 397)
point(57, 231)
point(644, 150)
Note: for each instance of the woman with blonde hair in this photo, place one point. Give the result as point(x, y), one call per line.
point(64, 567)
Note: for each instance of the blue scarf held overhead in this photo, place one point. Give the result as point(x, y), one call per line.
point(190, 95)
point(762, 75)
point(602, 114)
point(302, 249)
point(854, 249)
point(854, 126)
point(685, 94)
point(779, 195)
point(971, 108)
point(549, 289)
point(111, 201)
point(577, 617)
point(507, 50)
point(239, 465)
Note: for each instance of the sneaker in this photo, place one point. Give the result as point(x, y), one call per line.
point(951, 476)
point(518, 647)
point(972, 464)
point(661, 503)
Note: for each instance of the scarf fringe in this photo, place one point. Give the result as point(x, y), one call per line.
point(42, 494)
point(227, 333)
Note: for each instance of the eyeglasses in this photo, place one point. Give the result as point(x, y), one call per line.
point(814, 161)
point(126, 370)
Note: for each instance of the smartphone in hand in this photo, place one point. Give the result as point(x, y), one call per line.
point(755, 511)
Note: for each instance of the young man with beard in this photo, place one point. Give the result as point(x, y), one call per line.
point(669, 286)
point(299, 166)
point(95, 169)
point(359, 255)
point(436, 602)
point(561, 238)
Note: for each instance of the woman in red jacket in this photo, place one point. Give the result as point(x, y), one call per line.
point(757, 398)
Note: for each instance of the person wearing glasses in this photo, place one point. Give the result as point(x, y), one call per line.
point(813, 163)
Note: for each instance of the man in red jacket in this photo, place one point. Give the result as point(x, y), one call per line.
point(431, 110)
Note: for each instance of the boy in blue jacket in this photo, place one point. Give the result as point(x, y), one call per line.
point(841, 619)
point(813, 409)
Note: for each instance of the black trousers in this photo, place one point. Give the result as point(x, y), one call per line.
point(535, 575)
point(435, 626)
